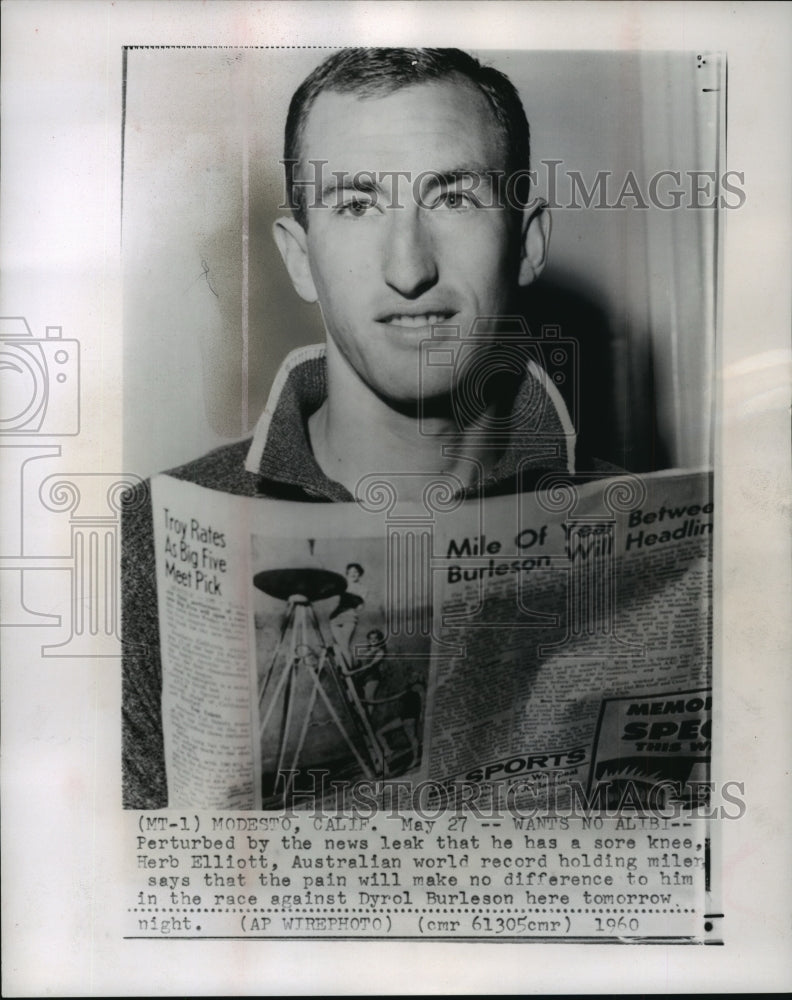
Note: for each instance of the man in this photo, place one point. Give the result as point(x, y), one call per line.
point(411, 224)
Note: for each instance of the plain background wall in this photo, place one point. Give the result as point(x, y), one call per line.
point(209, 311)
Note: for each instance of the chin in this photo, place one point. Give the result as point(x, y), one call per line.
point(430, 402)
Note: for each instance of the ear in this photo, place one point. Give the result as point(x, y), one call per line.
point(292, 242)
point(534, 242)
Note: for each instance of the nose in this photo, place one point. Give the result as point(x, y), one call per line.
point(410, 264)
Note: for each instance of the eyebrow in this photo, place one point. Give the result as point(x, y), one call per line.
point(445, 178)
point(364, 180)
point(352, 182)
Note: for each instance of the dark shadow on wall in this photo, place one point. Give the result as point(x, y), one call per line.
point(607, 379)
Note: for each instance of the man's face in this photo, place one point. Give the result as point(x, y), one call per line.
point(386, 267)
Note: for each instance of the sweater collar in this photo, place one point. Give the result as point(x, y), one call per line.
point(539, 435)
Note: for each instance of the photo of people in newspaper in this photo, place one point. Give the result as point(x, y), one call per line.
point(341, 684)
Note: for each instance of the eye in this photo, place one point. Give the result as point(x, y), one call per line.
point(456, 201)
point(453, 199)
point(356, 207)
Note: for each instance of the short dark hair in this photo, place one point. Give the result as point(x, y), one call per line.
point(356, 566)
point(379, 71)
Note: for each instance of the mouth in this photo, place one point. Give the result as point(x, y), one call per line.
point(416, 321)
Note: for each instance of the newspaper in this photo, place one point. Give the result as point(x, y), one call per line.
point(546, 649)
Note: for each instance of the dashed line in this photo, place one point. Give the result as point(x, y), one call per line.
point(496, 912)
point(238, 48)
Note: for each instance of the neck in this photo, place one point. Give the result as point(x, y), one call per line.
point(355, 434)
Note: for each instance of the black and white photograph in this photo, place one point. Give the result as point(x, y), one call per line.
point(384, 281)
point(613, 162)
point(341, 684)
point(361, 280)
point(395, 440)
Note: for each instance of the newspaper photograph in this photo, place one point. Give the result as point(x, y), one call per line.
point(457, 565)
point(527, 620)
point(329, 651)
point(393, 544)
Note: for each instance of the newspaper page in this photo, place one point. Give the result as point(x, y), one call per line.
point(343, 675)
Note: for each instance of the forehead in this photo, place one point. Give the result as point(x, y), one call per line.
point(426, 126)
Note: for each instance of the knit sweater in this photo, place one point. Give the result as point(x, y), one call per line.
point(278, 464)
